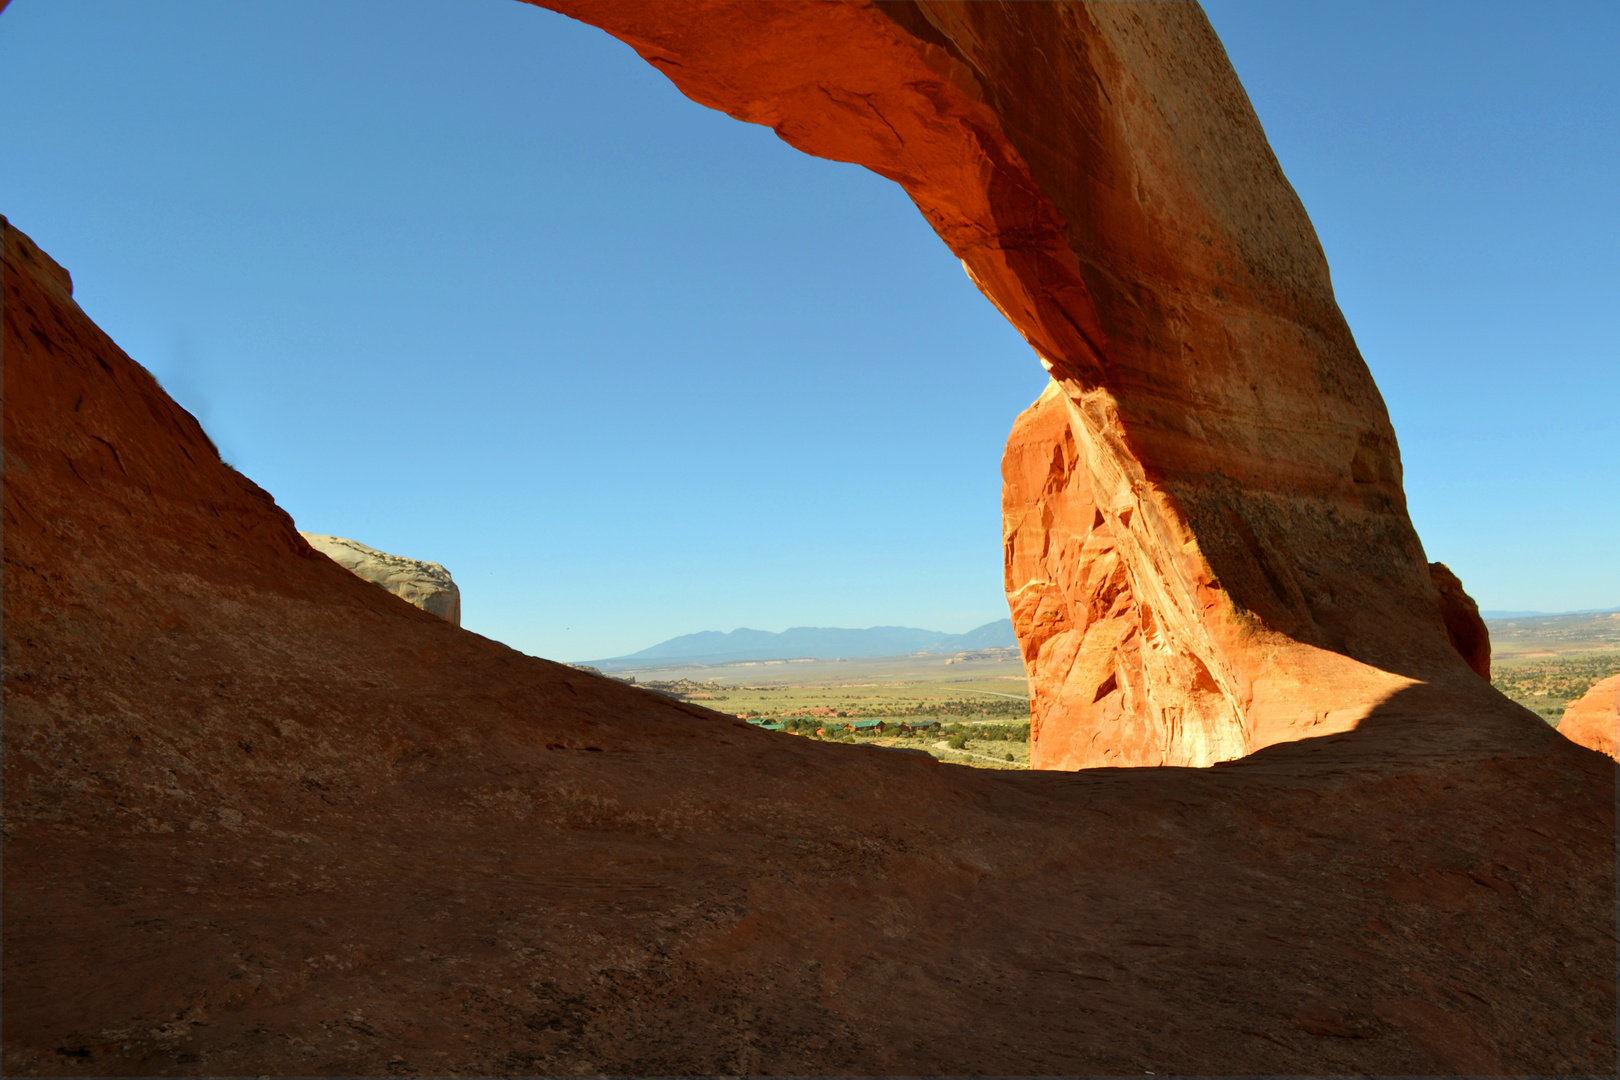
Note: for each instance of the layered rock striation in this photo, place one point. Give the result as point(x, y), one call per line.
point(424, 584)
point(1594, 720)
point(1112, 193)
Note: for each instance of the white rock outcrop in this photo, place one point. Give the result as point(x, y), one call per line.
point(425, 584)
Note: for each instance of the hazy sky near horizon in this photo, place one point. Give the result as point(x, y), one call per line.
point(471, 282)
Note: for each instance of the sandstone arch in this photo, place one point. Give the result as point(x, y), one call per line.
point(262, 817)
point(1100, 173)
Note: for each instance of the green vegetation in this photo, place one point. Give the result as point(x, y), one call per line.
point(977, 712)
point(982, 722)
point(1547, 684)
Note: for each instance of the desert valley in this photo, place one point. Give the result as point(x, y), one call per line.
point(972, 708)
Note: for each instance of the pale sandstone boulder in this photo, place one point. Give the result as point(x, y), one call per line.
point(1593, 720)
point(425, 584)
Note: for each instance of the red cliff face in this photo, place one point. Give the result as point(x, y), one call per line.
point(1108, 683)
point(1594, 720)
point(1464, 626)
point(1111, 191)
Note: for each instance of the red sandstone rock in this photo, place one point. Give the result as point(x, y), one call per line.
point(261, 817)
point(1594, 720)
point(1104, 686)
point(1107, 684)
point(1464, 626)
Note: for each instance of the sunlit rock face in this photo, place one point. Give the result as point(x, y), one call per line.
point(1594, 720)
point(1112, 193)
point(1109, 684)
point(425, 584)
point(1112, 682)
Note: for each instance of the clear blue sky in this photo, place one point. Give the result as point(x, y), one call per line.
point(471, 282)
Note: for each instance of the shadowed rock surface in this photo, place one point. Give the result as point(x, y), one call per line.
point(261, 817)
point(1464, 625)
point(424, 584)
point(1594, 720)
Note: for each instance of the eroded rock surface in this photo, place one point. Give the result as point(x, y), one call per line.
point(425, 584)
point(1108, 683)
point(1464, 625)
point(1594, 720)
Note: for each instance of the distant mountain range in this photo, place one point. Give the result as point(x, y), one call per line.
point(834, 643)
point(811, 643)
point(1544, 614)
